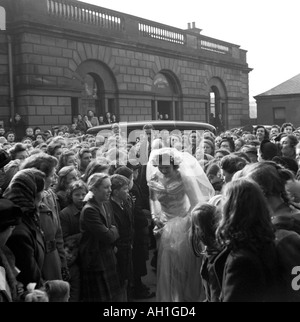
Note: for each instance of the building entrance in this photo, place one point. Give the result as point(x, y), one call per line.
point(166, 104)
point(164, 110)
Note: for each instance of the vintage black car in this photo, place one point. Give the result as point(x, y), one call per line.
point(132, 130)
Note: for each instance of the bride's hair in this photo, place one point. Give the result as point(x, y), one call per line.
point(166, 156)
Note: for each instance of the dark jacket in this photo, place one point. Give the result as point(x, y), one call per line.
point(62, 199)
point(19, 129)
point(99, 272)
point(52, 265)
point(98, 237)
point(50, 203)
point(287, 224)
point(8, 273)
point(69, 220)
point(212, 274)
point(27, 245)
point(141, 231)
point(81, 126)
point(250, 275)
point(142, 180)
point(123, 219)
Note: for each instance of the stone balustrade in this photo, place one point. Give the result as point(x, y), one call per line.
point(76, 16)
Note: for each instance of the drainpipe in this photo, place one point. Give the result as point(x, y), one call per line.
point(11, 81)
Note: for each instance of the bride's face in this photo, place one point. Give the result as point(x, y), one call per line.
point(166, 170)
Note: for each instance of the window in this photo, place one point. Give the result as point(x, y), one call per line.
point(2, 19)
point(279, 115)
point(213, 103)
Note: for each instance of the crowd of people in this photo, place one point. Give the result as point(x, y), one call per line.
point(79, 214)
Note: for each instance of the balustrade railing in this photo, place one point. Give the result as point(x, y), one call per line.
point(214, 47)
point(84, 13)
point(160, 33)
point(139, 28)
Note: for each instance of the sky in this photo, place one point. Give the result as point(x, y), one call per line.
point(267, 29)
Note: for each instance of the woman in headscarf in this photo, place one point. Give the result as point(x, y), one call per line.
point(27, 241)
point(10, 217)
point(55, 264)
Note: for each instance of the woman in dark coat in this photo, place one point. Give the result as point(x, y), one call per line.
point(251, 268)
point(140, 250)
point(99, 275)
point(18, 126)
point(55, 263)
point(279, 186)
point(27, 241)
point(10, 217)
point(81, 125)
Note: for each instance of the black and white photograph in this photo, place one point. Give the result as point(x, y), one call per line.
point(149, 154)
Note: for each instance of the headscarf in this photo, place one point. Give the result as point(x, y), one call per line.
point(10, 170)
point(24, 187)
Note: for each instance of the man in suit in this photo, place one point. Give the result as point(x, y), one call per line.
point(145, 151)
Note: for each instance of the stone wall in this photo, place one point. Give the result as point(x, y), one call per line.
point(51, 56)
point(4, 80)
point(45, 68)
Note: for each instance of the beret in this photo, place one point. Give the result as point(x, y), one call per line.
point(124, 171)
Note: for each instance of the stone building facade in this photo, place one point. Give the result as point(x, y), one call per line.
point(59, 58)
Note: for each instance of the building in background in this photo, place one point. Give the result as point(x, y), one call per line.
point(61, 57)
point(280, 104)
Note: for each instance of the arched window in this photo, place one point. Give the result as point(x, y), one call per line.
point(2, 19)
point(90, 87)
point(162, 85)
point(90, 94)
point(98, 89)
point(166, 103)
point(212, 103)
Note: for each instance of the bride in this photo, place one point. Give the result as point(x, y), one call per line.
point(177, 184)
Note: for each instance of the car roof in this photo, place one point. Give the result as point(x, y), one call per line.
point(169, 125)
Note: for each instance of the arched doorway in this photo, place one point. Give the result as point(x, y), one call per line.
point(217, 104)
point(167, 97)
point(91, 95)
point(98, 90)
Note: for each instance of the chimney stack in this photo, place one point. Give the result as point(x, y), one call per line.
point(192, 28)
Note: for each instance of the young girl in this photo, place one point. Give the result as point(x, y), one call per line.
point(205, 218)
point(69, 217)
point(66, 176)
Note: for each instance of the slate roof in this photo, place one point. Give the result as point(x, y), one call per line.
point(291, 86)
